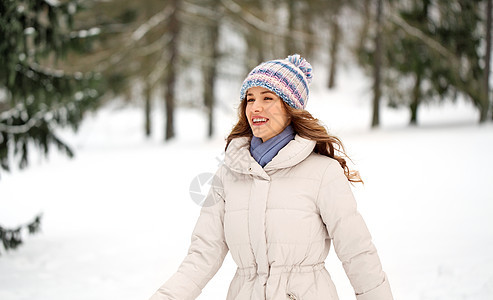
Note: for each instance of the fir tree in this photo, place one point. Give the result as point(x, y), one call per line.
point(36, 97)
point(459, 29)
point(409, 58)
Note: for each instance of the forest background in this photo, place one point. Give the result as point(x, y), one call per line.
point(62, 61)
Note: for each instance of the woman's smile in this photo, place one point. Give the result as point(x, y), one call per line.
point(259, 120)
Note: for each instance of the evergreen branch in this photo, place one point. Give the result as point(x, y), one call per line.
point(18, 129)
point(11, 238)
point(31, 123)
point(57, 73)
point(417, 33)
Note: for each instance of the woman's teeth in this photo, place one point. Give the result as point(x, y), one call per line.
point(258, 120)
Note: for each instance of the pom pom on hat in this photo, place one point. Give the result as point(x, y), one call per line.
point(288, 78)
point(303, 64)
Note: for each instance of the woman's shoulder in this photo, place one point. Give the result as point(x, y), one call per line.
point(323, 165)
point(321, 161)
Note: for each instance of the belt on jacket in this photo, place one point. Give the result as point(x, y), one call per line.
point(276, 270)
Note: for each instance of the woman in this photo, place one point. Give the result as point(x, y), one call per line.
point(278, 201)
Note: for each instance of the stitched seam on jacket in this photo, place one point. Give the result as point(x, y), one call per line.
point(294, 177)
point(321, 181)
point(300, 243)
point(295, 209)
point(235, 210)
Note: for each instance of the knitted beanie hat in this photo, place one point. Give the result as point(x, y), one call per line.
point(288, 78)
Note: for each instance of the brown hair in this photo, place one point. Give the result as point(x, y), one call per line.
point(307, 127)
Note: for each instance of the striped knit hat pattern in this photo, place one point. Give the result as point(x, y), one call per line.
point(288, 78)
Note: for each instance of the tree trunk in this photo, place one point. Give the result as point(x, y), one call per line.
point(255, 48)
point(148, 108)
point(486, 83)
point(173, 30)
point(308, 43)
point(416, 100)
point(290, 46)
point(210, 76)
point(377, 60)
point(334, 46)
point(363, 34)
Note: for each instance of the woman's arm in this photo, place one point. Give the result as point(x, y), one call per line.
point(351, 238)
point(206, 253)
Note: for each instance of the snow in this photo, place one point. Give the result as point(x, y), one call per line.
point(117, 219)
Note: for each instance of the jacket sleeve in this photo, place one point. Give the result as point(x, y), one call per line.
point(206, 253)
point(350, 236)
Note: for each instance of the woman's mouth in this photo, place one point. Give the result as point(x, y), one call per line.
point(257, 121)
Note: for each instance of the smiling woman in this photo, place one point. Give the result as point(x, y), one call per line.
point(282, 197)
point(265, 113)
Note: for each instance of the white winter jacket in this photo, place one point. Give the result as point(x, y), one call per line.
point(279, 222)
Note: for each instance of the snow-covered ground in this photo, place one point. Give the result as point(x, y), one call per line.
point(117, 219)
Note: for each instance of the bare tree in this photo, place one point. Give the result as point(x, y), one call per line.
point(335, 41)
point(171, 74)
point(210, 72)
point(377, 67)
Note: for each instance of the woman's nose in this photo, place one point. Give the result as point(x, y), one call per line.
point(257, 106)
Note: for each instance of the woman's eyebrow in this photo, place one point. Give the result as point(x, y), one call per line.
point(264, 92)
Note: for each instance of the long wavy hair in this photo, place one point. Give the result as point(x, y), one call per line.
point(307, 127)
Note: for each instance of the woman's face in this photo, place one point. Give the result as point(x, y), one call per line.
point(265, 113)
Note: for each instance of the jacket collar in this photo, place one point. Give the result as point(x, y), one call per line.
point(239, 159)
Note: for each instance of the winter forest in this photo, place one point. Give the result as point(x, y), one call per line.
point(111, 112)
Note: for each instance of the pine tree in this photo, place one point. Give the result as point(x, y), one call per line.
point(459, 30)
point(487, 55)
point(36, 98)
point(442, 49)
point(409, 57)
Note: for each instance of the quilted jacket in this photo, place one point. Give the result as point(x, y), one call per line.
point(279, 222)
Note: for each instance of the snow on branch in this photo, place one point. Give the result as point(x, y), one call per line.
point(20, 110)
point(12, 238)
point(85, 33)
point(18, 129)
point(53, 3)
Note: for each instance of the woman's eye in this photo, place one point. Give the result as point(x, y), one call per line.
point(268, 98)
point(250, 100)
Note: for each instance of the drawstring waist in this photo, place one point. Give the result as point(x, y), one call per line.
point(276, 270)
